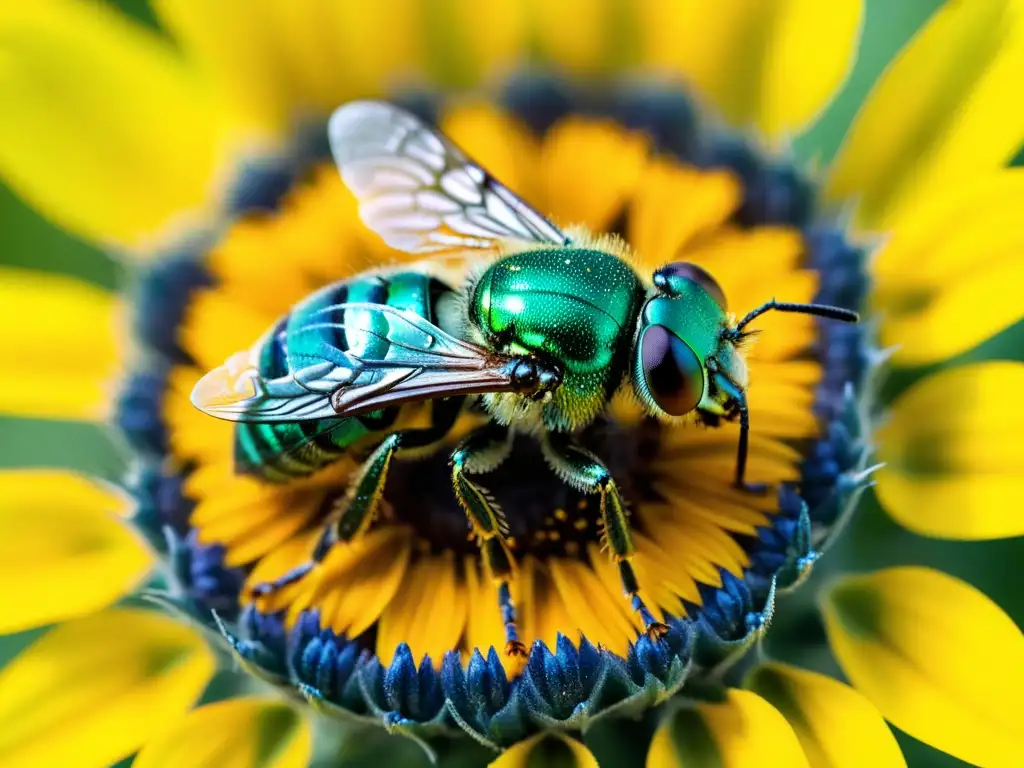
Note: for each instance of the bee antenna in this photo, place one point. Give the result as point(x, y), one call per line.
point(820, 310)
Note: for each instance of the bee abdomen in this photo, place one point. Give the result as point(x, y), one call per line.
point(282, 451)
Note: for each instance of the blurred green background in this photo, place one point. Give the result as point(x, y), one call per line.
point(874, 540)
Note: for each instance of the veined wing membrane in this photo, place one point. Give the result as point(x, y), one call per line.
point(419, 362)
point(420, 192)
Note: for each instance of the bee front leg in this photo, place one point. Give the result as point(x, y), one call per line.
point(584, 471)
point(741, 455)
point(483, 451)
point(738, 399)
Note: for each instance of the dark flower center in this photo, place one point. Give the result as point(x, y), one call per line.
point(545, 516)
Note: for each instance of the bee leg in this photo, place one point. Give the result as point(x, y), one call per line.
point(584, 471)
point(498, 561)
point(359, 507)
point(356, 512)
point(737, 400)
point(323, 546)
point(741, 452)
point(483, 451)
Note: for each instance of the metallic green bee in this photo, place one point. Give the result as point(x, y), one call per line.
point(541, 340)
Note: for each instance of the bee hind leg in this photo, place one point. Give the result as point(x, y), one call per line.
point(583, 470)
point(482, 451)
point(357, 510)
point(323, 546)
point(350, 518)
point(499, 562)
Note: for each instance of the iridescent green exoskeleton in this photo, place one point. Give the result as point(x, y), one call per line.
point(541, 337)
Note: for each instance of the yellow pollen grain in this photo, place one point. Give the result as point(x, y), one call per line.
point(554, 536)
point(580, 524)
point(561, 514)
point(582, 504)
point(572, 548)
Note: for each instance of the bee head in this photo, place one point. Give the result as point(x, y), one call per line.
point(678, 334)
point(686, 355)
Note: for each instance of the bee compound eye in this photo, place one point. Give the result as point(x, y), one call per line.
point(673, 374)
point(669, 276)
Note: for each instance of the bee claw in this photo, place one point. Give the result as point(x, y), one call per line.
point(656, 631)
point(261, 590)
point(515, 649)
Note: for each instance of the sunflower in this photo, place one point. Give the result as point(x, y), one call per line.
point(198, 157)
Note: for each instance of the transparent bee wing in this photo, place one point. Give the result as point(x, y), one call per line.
point(238, 391)
point(420, 192)
point(421, 362)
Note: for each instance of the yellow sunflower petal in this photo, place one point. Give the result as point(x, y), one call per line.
point(237, 733)
point(22, 488)
point(64, 548)
point(193, 437)
point(216, 325)
point(547, 749)
point(584, 37)
point(808, 55)
point(236, 46)
point(836, 726)
point(53, 368)
point(428, 611)
point(682, 741)
point(302, 35)
point(92, 691)
point(590, 609)
point(953, 463)
point(947, 109)
point(541, 610)
point(357, 581)
point(939, 659)
point(279, 561)
point(800, 50)
point(748, 731)
point(248, 517)
point(306, 42)
point(588, 169)
point(468, 39)
point(941, 280)
point(103, 128)
point(381, 43)
point(742, 731)
point(276, 62)
point(484, 627)
point(658, 231)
